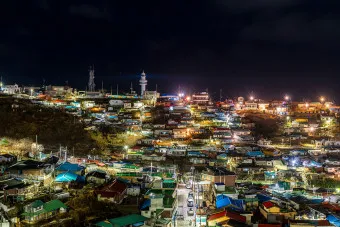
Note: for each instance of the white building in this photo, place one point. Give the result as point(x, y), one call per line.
point(143, 82)
point(201, 98)
point(250, 106)
point(11, 89)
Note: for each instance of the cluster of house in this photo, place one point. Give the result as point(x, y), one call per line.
point(187, 142)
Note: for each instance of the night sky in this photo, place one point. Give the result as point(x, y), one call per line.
point(268, 47)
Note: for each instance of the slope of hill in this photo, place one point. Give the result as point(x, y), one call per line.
point(52, 126)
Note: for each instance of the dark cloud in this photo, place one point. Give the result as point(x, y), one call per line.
point(217, 43)
point(89, 11)
point(42, 4)
point(251, 5)
point(296, 29)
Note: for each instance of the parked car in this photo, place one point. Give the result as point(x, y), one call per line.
point(190, 203)
point(190, 195)
point(191, 211)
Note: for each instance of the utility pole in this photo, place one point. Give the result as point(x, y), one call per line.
point(220, 95)
point(65, 155)
point(36, 144)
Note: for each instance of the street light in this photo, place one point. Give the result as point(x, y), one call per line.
point(322, 99)
point(251, 98)
point(126, 147)
point(287, 97)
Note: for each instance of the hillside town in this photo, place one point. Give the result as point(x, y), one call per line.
point(167, 160)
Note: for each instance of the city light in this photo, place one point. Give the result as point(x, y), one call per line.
point(327, 105)
point(287, 118)
point(251, 98)
point(188, 98)
point(307, 105)
point(322, 99)
point(287, 97)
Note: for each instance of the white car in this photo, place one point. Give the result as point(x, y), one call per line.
point(190, 203)
point(191, 211)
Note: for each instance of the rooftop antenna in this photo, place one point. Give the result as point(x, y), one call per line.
point(102, 86)
point(117, 89)
point(220, 95)
point(156, 87)
point(131, 88)
point(111, 89)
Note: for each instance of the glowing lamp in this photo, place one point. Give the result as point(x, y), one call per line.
point(322, 99)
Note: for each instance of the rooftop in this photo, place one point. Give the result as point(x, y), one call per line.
point(122, 221)
point(217, 171)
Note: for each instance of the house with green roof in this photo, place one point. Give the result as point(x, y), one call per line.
point(125, 221)
point(38, 210)
point(160, 202)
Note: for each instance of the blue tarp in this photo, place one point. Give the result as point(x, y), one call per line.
point(68, 177)
point(66, 166)
point(225, 201)
point(335, 220)
point(196, 153)
point(263, 198)
point(146, 204)
point(255, 154)
point(222, 156)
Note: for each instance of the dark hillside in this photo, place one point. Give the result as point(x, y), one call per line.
point(52, 126)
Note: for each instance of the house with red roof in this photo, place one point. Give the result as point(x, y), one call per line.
point(217, 218)
point(275, 214)
point(113, 192)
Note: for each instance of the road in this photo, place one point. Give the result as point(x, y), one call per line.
point(183, 219)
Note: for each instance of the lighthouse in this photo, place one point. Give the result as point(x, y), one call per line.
point(143, 82)
point(91, 84)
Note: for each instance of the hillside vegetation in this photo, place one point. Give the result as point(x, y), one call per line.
point(52, 126)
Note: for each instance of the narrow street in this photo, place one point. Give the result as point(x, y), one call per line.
point(183, 218)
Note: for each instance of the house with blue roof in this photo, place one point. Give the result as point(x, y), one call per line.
point(255, 154)
point(70, 167)
point(67, 177)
